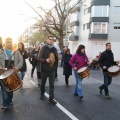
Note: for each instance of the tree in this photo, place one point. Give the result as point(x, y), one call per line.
point(54, 20)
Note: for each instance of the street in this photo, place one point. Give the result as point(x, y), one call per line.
point(28, 106)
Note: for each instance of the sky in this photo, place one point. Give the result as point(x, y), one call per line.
point(16, 16)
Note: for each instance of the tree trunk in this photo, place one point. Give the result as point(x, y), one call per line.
point(61, 42)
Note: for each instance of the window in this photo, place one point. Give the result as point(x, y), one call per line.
point(117, 9)
point(99, 27)
point(87, 10)
point(86, 26)
point(116, 25)
point(100, 11)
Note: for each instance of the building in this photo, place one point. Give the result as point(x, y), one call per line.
point(94, 23)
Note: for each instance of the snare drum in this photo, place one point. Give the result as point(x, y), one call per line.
point(84, 72)
point(10, 80)
point(114, 71)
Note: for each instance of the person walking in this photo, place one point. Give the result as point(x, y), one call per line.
point(48, 71)
point(79, 60)
point(106, 60)
point(33, 59)
point(24, 54)
point(16, 62)
point(67, 69)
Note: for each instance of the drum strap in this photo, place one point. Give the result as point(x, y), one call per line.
point(9, 60)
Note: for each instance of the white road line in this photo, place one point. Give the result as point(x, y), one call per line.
point(33, 83)
point(59, 105)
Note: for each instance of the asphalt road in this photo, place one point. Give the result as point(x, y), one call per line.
point(28, 106)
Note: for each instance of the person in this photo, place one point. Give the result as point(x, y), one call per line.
point(106, 60)
point(39, 68)
point(67, 69)
point(33, 57)
point(1, 43)
point(79, 60)
point(62, 54)
point(16, 63)
point(24, 54)
point(46, 69)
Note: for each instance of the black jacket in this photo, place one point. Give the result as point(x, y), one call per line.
point(25, 56)
point(106, 59)
point(44, 54)
point(67, 69)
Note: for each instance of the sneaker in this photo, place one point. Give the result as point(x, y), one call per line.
point(11, 103)
point(4, 107)
point(42, 97)
point(56, 79)
point(100, 91)
point(51, 101)
point(66, 85)
point(81, 97)
point(75, 94)
point(107, 96)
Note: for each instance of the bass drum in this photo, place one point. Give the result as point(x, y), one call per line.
point(84, 72)
point(114, 71)
point(11, 80)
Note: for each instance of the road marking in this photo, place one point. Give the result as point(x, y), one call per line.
point(59, 105)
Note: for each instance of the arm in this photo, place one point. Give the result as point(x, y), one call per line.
point(25, 54)
point(72, 61)
point(40, 57)
point(20, 61)
point(101, 59)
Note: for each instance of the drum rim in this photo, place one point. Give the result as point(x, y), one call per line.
point(113, 71)
point(81, 68)
point(3, 77)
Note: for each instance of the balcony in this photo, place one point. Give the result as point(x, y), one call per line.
point(73, 9)
point(98, 36)
point(74, 38)
point(100, 2)
point(74, 23)
point(99, 19)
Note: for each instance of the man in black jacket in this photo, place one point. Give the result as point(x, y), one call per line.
point(46, 69)
point(106, 60)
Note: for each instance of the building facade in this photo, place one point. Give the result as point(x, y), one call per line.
point(94, 23)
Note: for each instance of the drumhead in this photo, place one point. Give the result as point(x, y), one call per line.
point(6, 73)
point(82, 69)
point(113, 69)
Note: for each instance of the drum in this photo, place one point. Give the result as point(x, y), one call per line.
point(52, 59)
point(11, 80)
point(84, 72)
point(114, 71)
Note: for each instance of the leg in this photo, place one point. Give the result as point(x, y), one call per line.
point(51, 83)
point(66, 79)
point(78, 87)
point(33, 68)
point(5, 95)
point(44, 75)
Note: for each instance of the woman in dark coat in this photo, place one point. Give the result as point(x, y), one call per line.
point(67, 69)
point(25, 56)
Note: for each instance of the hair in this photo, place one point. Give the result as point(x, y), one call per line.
point(79, 48)
point(8, 39)
point(108, 43)
point(66, 50)
point(50, 36)
point(23, 47)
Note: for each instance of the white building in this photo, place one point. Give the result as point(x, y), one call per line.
point(94, 23)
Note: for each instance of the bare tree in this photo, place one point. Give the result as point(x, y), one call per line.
point(54, 20)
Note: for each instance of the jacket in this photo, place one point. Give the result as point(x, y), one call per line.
point(25, 56)
point(44, 54)
point(67, 69)
point(18, 60)
point(78, 61)
point(106, 59)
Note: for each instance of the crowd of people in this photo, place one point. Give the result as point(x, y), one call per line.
point(45, 60)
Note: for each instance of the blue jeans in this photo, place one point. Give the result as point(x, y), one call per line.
point(6, 96)
point(22, 74)
point(78, 87)
point(107, 82)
